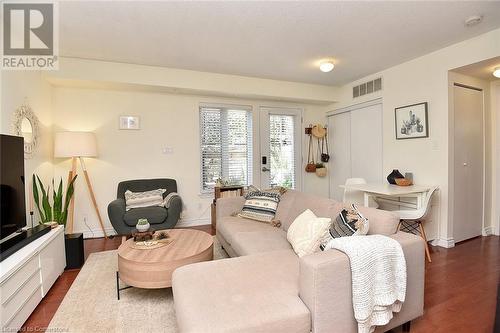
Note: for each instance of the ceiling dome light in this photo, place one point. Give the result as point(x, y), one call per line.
point(326, 66)
point(496, 72)
point(473, 20)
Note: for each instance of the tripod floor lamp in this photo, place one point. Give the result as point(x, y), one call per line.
point(77, 145)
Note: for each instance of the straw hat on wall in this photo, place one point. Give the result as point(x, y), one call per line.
point(318, 131)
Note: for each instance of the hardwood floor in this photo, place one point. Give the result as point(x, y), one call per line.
point(460, 287)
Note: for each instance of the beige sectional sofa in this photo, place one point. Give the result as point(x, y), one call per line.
point(266, 287)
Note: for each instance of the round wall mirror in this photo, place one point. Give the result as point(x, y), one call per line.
point(27, 130)
point(25, 124)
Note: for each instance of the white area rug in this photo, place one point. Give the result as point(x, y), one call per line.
point(91, 304)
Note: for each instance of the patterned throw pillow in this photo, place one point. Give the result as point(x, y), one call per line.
point(144, 199)
point(306, 232)
point(350, 222)
point(260, 206)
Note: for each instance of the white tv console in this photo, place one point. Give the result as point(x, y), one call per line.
point(26, 277)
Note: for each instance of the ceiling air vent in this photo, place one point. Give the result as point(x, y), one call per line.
point(367, 88)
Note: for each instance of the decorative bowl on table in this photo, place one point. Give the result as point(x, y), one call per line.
point(403, 182)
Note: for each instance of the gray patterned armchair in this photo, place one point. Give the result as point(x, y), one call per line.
point(124, 221)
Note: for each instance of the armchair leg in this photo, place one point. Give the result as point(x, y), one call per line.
point(407, 326)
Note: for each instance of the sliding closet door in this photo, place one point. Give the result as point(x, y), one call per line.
point(366, 143)
point(339, 132)
point(356, 142)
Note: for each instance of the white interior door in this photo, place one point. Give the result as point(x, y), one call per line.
point(281, 147)
point(356, 142)
point(468, 163)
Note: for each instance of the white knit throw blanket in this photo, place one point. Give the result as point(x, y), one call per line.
point(378, 269)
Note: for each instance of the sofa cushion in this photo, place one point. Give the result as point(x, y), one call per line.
point(297, 202)
point(382, 222)
point(260, 206)
point(155, 215)
point(229, 226)
point(252, 242)
point(307, 232)
point(257, 293)
point(144, 199)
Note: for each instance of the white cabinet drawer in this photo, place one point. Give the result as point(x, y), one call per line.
point(18, 278)
point(15, 323)
point(11, 306)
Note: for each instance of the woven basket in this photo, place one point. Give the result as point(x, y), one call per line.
point(321, 172)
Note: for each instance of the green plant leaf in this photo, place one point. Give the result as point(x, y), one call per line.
point(58, 203)
point(45, 202)
point(36, 198)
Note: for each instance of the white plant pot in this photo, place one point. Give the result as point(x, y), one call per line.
point(142, 227)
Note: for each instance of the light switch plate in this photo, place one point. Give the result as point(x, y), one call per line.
point(167, 150)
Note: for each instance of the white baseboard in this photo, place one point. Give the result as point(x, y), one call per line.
point(193, 222)
point(488, 231)
point(444, 242)
point(183, 223)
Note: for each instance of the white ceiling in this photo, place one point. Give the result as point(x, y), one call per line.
point(482, 70)
point(277, 40)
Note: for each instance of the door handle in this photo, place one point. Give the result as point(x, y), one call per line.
point(465, 163)
point(265, 169)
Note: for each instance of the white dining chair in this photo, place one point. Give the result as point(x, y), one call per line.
point(355, 196)
point(411, 220)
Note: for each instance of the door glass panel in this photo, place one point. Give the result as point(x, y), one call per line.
point(281, 150)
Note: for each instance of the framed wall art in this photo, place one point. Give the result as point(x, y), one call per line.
point(411, 121)
point(130, 123)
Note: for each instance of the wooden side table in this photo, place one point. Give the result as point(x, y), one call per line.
point(223, 192)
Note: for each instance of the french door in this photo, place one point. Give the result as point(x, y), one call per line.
point(280, 146)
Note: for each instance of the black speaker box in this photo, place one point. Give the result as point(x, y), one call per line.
point(75, 255)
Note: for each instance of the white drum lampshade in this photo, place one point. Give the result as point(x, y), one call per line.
point(75, 144)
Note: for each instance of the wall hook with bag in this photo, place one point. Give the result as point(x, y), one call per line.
point(325, 157)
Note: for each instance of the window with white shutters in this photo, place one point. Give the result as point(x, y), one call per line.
point(281, 150)
point(226, 145)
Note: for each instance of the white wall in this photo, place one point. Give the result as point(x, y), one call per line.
point(18, 87)
point(424, 79)
point(166, 120)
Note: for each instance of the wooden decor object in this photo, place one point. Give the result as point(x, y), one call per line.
point(71, 213)
point(153, 268)
point(223, 192)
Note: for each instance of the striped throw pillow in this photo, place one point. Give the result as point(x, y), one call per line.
point(260, 206)
point(144, 199)
point(350, 222)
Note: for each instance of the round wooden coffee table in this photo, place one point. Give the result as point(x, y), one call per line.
point(153, 268)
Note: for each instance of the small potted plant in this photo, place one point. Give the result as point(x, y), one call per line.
point(142, 225)
point(320, 170)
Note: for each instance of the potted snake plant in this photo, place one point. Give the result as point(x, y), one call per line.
point(57, 210)
point(52, 205)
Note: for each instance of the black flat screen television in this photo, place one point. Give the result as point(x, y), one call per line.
point(12, 199)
